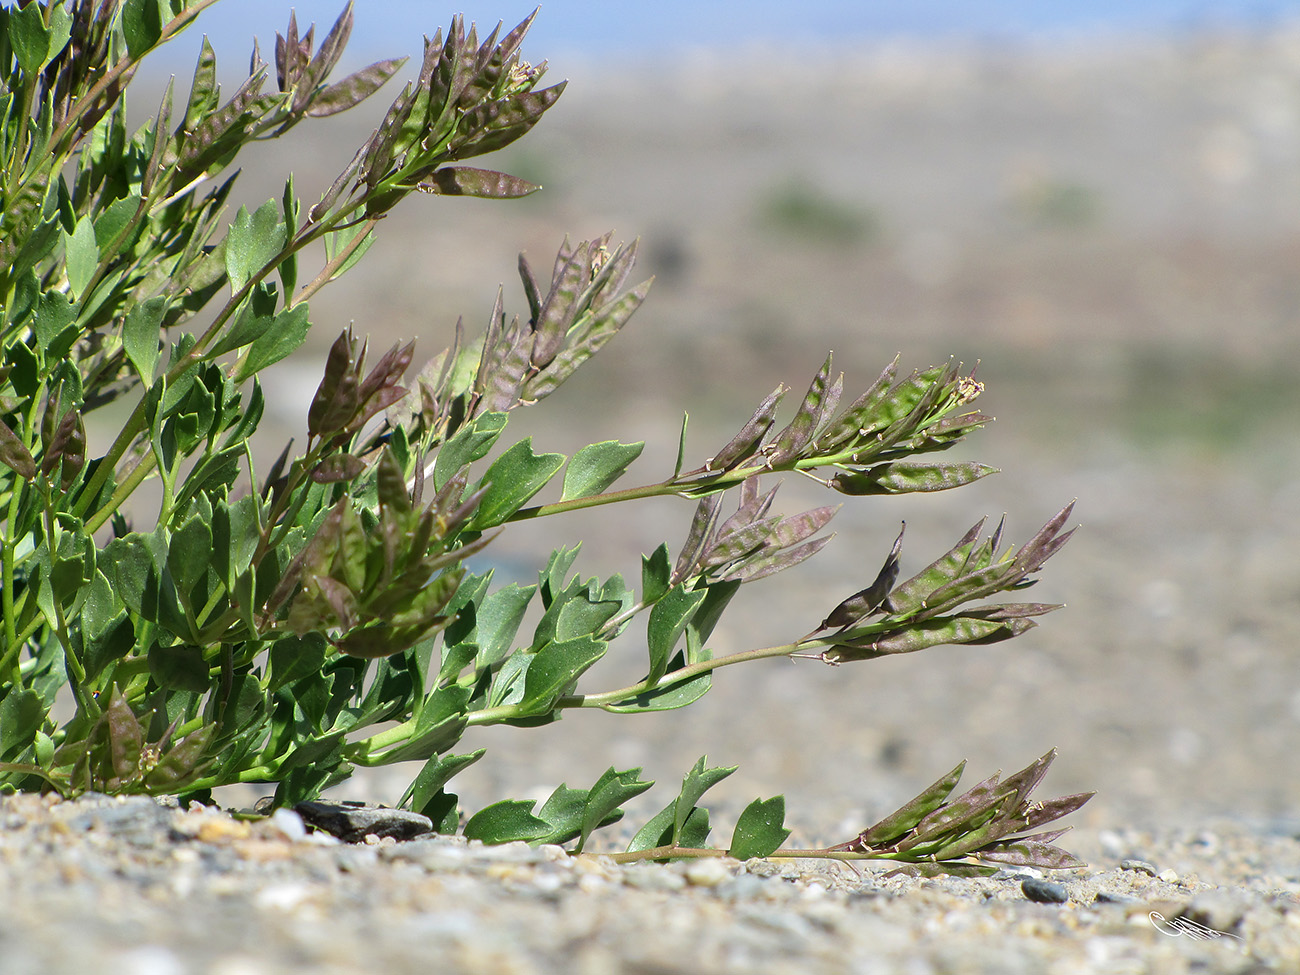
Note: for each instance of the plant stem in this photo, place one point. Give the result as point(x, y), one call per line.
point(671, 852)
point(675, 677)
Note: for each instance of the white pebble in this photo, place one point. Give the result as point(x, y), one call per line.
point(289, 824)
point(1168, 876)
point(707, 873)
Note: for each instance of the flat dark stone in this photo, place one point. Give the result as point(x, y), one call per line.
point(1044, 891)
point(353, 822)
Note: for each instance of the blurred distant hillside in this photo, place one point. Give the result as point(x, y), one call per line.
point(1103, 217)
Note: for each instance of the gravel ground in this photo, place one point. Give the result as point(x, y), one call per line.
point(147, 890)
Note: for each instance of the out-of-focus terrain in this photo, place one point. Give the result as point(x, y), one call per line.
point(1113, 231)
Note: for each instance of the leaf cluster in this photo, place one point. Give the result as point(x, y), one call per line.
point(981, 825)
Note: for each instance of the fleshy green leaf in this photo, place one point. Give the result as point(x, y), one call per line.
point(140, 336)
point(656, 572)
point(21, 714)
point(671, 694)
point(469, 444)
point(505, 822)
point(82, 255)
point(668, 620)
point(760, 830)
point(253, 241)
point(595, 467)
point(554, 669)
point(288, 331)
point(142, 25)
point(437, 772)
point(694, 784)
point(610, 791)
point(28, 37)
point(512, 480)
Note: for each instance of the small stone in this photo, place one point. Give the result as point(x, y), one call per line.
point(221, 829)
point(653, 877)
point(289, 825)
point(1044, 891)
point(1017, 873)
point(1111, 897)
point(1168, 876)
point(353, 822)
point(707, 873)
point(1141, 866)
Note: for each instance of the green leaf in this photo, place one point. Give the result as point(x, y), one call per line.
point(554, 669)
point(337, 242)
point(694, 784)
point(656, 573)
point(82, 255)
point(610, 791)
point(505, 822)
point(594, 468)
point(140, 336)
point(295, 657)
point(681, 446)
point(21, 715)
point(498, 619)
point(469, 444)
point(288, 331)
point(253, 241)
point(179, 667)
point(670, 695)
point(189, 552)
point(142, 23)
point(668, 620)
point(29, 38)
point(55, 322)
point(254, 320)
point(563, 811)
point(113, 220)
point(437, 772)
point(904, 477)
point(512, 480)
point(760, 831)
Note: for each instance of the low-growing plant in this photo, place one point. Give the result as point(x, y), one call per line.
point(288, 625)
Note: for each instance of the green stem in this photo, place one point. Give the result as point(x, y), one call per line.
point(675, 677)
point(671, 852)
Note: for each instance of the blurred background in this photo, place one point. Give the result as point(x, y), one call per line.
point(1099, 203)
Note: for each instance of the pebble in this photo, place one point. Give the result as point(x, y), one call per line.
point(708, 872)
point(1141, 866)
point(353, 822)
point(1044, 891)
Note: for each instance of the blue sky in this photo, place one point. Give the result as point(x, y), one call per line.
point(629, 27)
